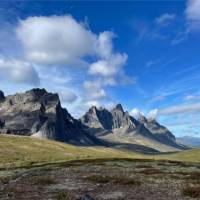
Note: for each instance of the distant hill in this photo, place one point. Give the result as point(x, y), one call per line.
point(190, 141)
point(119, 126)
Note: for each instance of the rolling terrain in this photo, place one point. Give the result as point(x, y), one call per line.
point(32, 168)
point(22, 151)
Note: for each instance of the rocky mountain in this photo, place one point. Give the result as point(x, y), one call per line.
point(97, 121)
point(119, 124)
point(101, 121)
point(39, 113)
point(159, 131)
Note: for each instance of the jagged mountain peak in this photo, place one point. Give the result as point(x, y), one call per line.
point(120, 123)
point(37, 91)
point(119, 107)
point(92, 110)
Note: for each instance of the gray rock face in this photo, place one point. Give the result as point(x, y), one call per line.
point(161, 132)
point(101, 121)
point(122, 119)
point(39, 113)
point(119, 122)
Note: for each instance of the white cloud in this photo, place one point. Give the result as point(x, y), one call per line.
point(67, 96)
point(165, 19)
point(193, 14)
point(54, 45)
point(94, 90)
point(110, 105)
point(152, 114)
point(18, 72)
point(136, 113)
point(63, 40)
point(181, 109)
point(89, 104)
point(109, 67)
point(104, 46)
point(55, 39)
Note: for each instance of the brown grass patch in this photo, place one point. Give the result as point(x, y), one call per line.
point(194, 175)
point(42, 180)
point(151, 171)
point(143, 166)
point(4, 180)
point(64, 196)
point(191, 191)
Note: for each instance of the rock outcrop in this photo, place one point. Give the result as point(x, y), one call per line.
point(118, 122)
point(161, 132)
point(39, 113)
point(100, 121)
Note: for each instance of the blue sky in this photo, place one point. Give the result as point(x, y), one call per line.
point(143, 54)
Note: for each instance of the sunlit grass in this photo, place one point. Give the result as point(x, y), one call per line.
point(20, 151)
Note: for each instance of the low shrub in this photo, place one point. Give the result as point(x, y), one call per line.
point(191, 191)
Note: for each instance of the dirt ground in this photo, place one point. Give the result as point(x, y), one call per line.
point(103, 179)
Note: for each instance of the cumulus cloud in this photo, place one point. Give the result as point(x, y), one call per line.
point(193, 14)
point(108, 67)
point(94, 90)
point(165, 19)
point(136, 113)
point(89, 104)
point(67, 96)
point(152, 114)
point(63, 40)
point(104, 46)
point(18, 72)
point(109, 63)
point(110, 105)
point(55, 39)
point(61, 43)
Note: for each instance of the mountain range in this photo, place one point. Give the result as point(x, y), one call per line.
point(38, 113)
point(118, 125)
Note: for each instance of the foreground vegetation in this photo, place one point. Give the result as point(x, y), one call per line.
point(98, 179)
point(33, 168)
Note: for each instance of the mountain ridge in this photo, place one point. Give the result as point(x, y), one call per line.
point(39, 113)
point(121, 123)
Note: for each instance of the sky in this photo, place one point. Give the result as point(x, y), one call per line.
point(142, 54)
